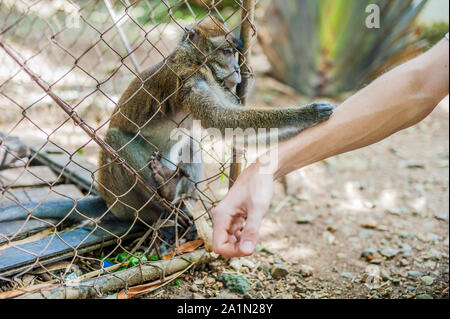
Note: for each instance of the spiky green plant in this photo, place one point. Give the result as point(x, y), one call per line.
point(323, 47)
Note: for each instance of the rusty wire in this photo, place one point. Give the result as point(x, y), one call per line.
point(97, 60)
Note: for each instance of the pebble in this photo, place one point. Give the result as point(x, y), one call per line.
point(414, 274)
point(264, 267)
point(334, 194)
point(427, 280)
point(404, 262)
point(279, 271)
point(306, 270)
point(369, 223)
point(299, 289)
point(384, 274)
point(194, 288)
point(346, 275)
point(402, 234)
point(214, 265)
point(305, 220)
point(237, 283)
point(389, 252)
point(440, 217)
point(197, 296)
point(341, 255)
point(431, 254)
point(369, 253)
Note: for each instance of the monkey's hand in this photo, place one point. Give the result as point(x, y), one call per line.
point(317, 112)
point(165, 177)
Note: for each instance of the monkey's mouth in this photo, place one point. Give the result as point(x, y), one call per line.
point(232, 80)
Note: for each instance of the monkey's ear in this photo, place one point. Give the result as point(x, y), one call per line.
point(192, 34)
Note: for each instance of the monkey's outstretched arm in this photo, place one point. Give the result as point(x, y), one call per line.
point(214, 111)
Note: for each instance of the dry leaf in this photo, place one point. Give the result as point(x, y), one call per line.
point(185, 248)
point(18, 292)
point(145, 288)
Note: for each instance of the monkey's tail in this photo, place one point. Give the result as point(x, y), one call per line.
point(91, 207)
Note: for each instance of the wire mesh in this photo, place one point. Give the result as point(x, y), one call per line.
point(65, 66)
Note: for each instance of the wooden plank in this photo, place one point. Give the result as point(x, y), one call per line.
point(52, 248)
point(11, 148)
point(27, 228)
point(74, 167)
point(39, 194)
point(26, 177)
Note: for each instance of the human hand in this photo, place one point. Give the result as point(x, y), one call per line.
point(237, 218)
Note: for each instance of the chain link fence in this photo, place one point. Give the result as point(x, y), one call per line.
point(65, 65)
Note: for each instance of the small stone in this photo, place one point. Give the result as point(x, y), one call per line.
point(384, 274)
point(404, 262)
point(306, 270)
point(194, 288)
point(237, 283)
point(368, 253)
point(346, 275)
point(414, 165)
point(259, 286)
point(396, 212)
point(197, 296)
point(331, 229)
point(279, 271)
point(388, 252)
point(328, 237)
point(427, 280)
point(334, 194)
point(424, 296)
point(214, 265)
point(365, 233)
point(369, 223)
point(305, 220)
point(402, 234)
point(440, 217)
point(264, 267)
point(414, 274)
point(341, 255)
point(432, 254)
point(299, 289)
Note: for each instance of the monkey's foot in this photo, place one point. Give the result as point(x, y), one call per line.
point(166, 178)
point(323, 111)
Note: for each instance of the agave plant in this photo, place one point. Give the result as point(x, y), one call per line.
point(324, 48)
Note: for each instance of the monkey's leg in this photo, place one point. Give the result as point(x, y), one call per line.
point(120, 190)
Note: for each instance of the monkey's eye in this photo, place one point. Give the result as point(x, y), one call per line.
point(227, 51)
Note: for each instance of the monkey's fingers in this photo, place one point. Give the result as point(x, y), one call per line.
point(324, 110)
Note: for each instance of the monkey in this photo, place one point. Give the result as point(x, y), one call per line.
point(197, 81)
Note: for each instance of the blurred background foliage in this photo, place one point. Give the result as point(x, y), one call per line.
point(323, 47)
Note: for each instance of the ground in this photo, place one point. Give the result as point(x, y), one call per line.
point(388, 202)
point(373, 223)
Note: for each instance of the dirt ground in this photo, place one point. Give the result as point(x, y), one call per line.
point(372, 223)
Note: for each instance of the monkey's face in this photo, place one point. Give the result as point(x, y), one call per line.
point(223, 61)
point(220, 53)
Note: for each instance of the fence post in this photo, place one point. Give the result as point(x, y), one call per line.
point(247, 19)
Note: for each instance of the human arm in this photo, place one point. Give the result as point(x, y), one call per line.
point(397, 100)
